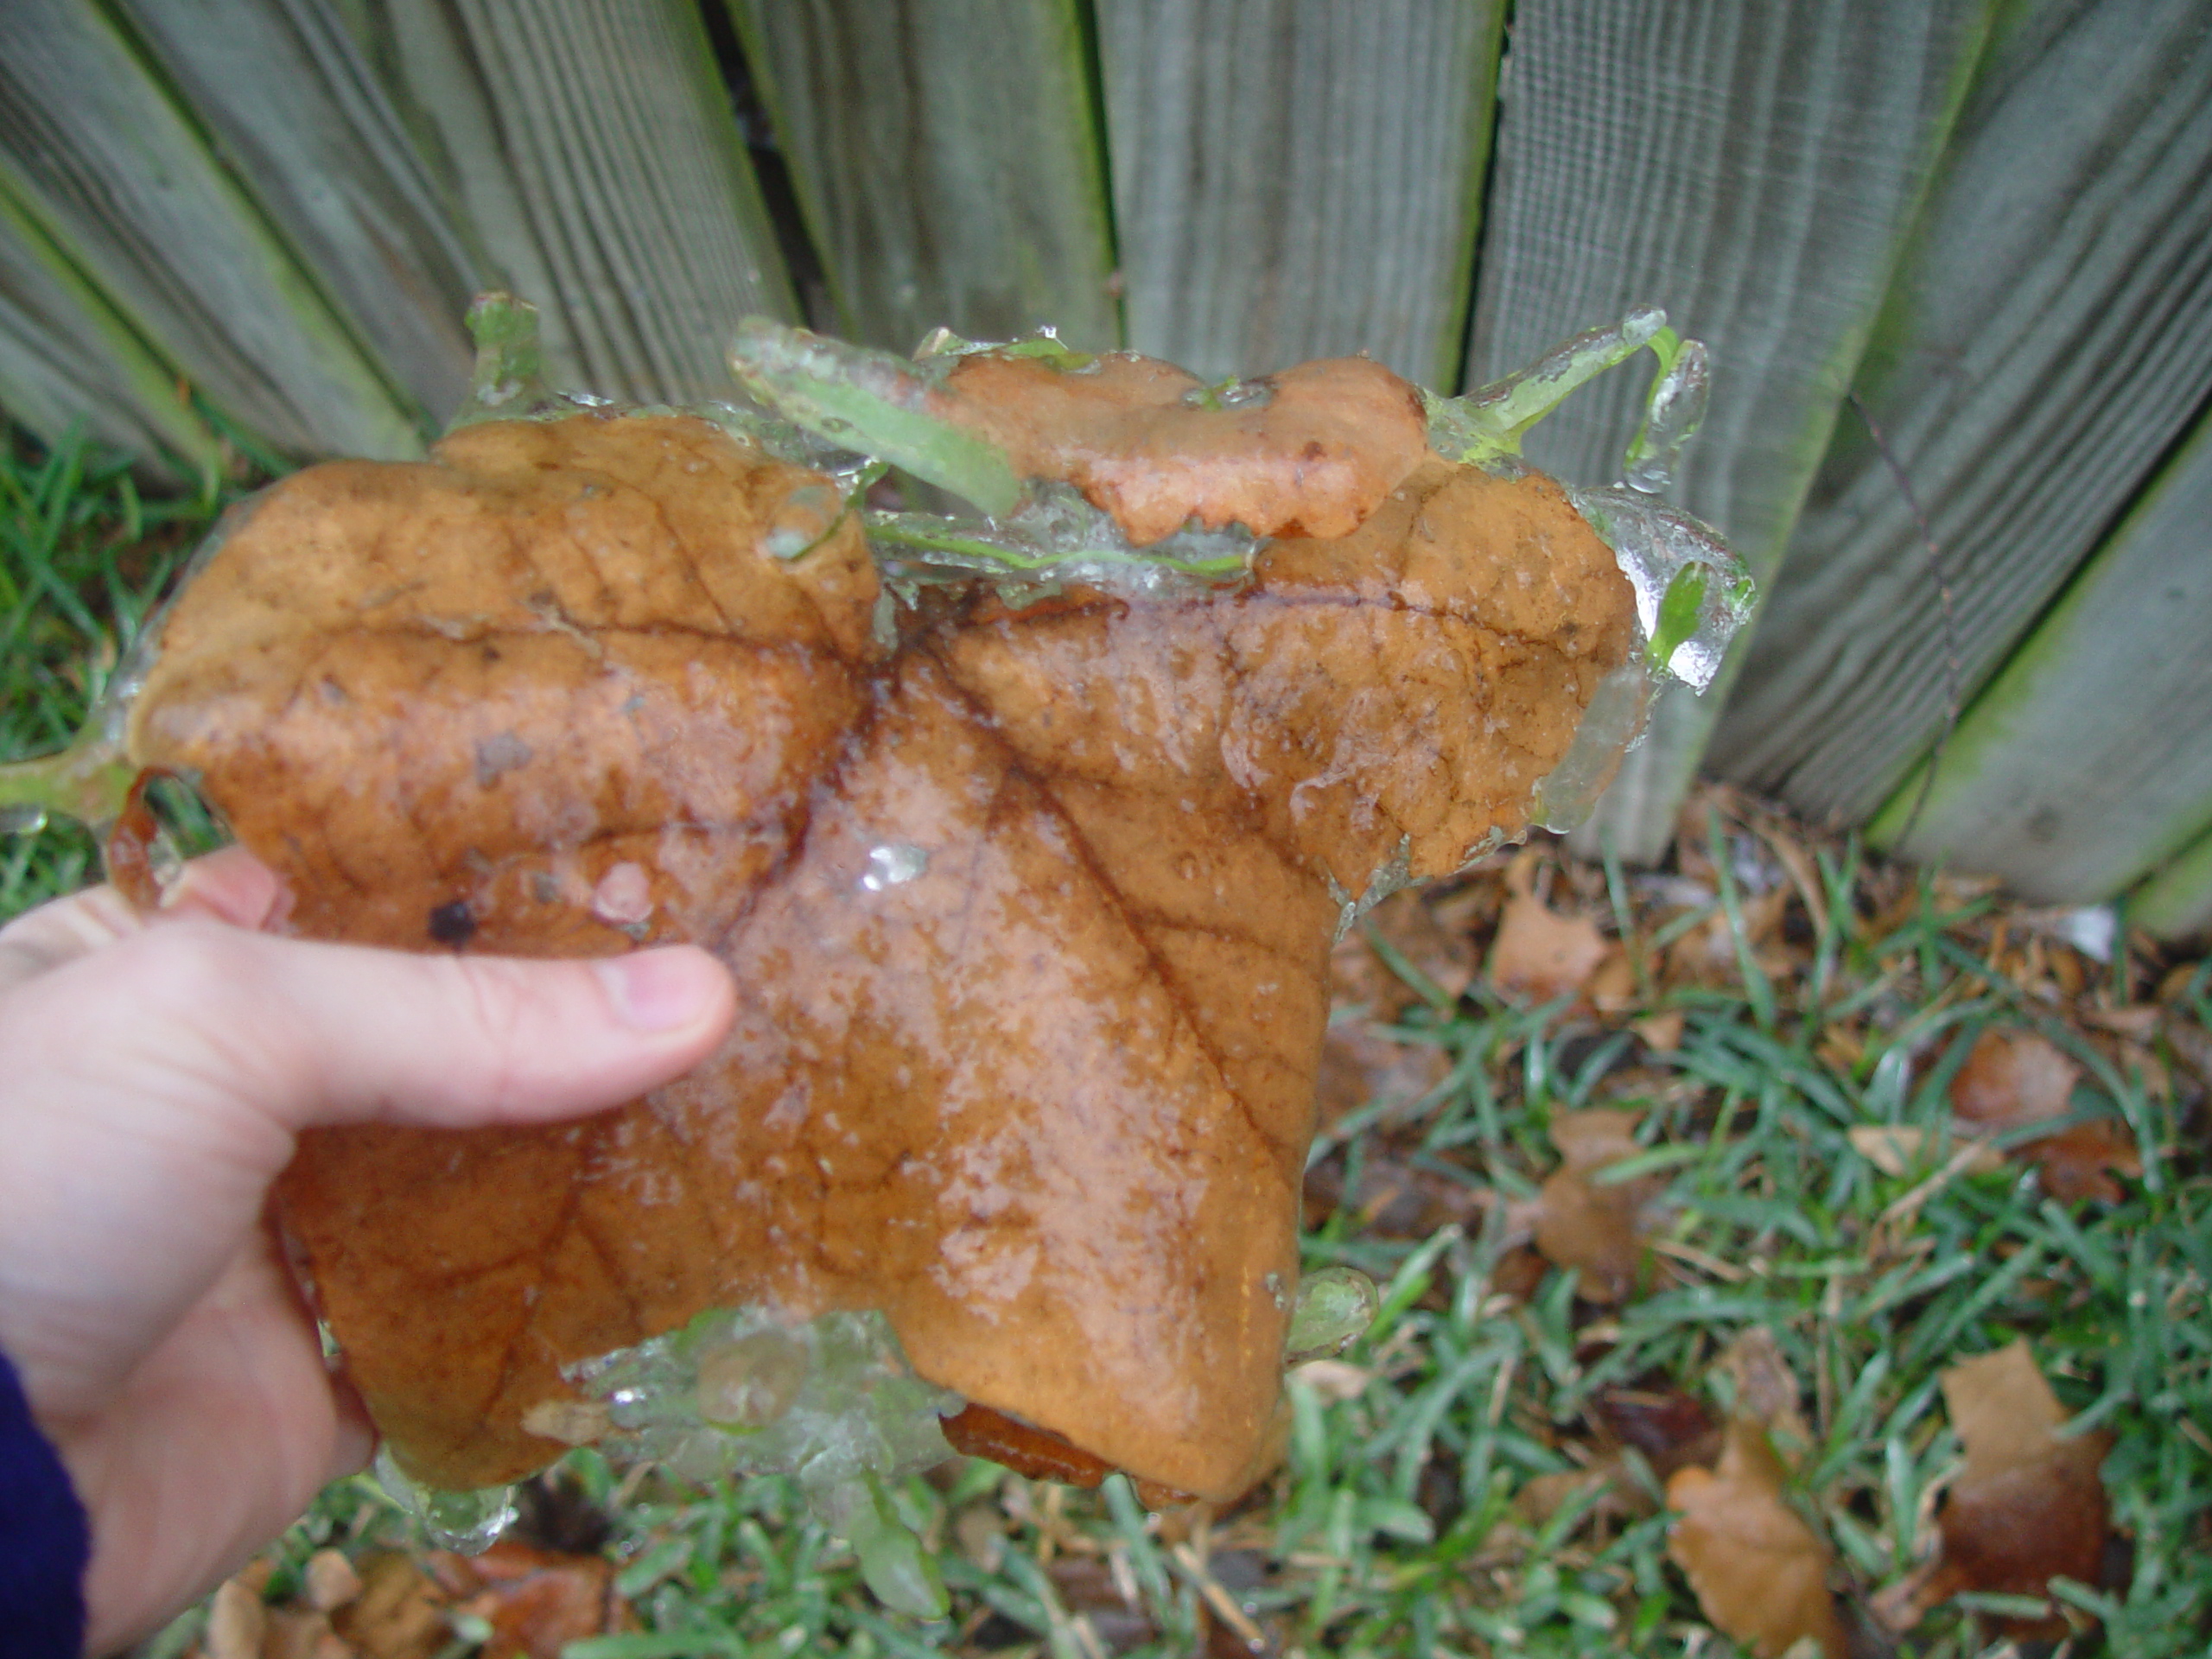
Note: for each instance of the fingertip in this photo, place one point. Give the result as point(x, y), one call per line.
point(667, 990)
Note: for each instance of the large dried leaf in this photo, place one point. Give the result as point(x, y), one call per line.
point(1030, 909)
point(1759, 1571)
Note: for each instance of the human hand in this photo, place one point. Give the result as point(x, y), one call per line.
point(156, 1074)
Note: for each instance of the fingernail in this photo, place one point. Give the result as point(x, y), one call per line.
point(660, 990)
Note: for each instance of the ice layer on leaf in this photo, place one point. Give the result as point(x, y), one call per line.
point(1027, 882)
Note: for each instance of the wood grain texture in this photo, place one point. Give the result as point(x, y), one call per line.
point(292, 108)
point(123, 180)
point(1753, 168)
point(1296, 179)
point(591, 147)
point(2050, 337)
point(945, 157)
point(2087, 761)
point(66, 357)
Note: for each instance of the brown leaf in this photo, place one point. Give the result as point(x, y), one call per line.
point(1032, 908)
point(1595, 1227)
point(331, 1581)
point(1766, 1390)
point(1759, 1571)
point(1541, 955)
point(2029, 1507)
point(1671, 1428)
point(400, 1613)
point(535, 1601)
point(236, 1622)
point(2013, 1079)
point(1314, 454)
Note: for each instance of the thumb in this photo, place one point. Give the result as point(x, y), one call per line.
point(155, 1087)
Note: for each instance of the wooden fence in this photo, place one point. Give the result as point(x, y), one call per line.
point(1982, 228)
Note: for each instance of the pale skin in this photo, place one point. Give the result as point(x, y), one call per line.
point(158, 1072)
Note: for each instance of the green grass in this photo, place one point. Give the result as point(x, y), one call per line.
point(1393, 1528)
point(83, 559)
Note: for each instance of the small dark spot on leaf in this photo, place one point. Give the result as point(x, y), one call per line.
point(454, 924)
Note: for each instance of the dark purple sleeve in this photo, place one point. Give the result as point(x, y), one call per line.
point(44, 1540)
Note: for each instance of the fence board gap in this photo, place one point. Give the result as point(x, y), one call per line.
point(2087, 761)
point(589, 147)
point(122, 180)
point(1296, 179)
point(2049, 339)
point(945, 159)
point(1754, 169)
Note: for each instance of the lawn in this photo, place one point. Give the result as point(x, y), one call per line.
point(1736, 1160)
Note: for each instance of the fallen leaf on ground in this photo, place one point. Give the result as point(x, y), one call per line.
point(1759, 1571)
point(2014, 1079)
point(400, 1613)
point(331, 1581)
point(1595, 1227)
point(2030, 1505)
point(1617, 1496)
point(535, 1601)
point(1766, 1390)
point(236, 1622)
point(1671, 1428)
point(1541, 955)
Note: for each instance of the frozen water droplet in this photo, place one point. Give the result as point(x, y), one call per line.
point(801, 520)
point(470, 1522)
point(893, 864)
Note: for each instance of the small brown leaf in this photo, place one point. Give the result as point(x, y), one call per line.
point(537, 1601)
point(1594, 1227)
point(1766, 1389)
point(1541, 955)
point(236, 1621)
point(1672, 1429)
point(400, 1613)
point(331, 1581)
point(2012, 1079)
point(1897, 1148)
point(1760, 1572)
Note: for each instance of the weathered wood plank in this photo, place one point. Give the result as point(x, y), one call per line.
point(2050, 337)
point(591, 147)
point(122, 181)
point(1754, 169)
point(65, 357)
point(294, 110)
point(2177, 900)
point(1296, 179)
point(2087, 761)
point(945, 157)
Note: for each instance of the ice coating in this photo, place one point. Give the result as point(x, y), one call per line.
point(744, 1391)
point(1042, 1102)
point(1692, 593)
point(1334, 1308)
point(1029, 878)
point(468, 1521)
